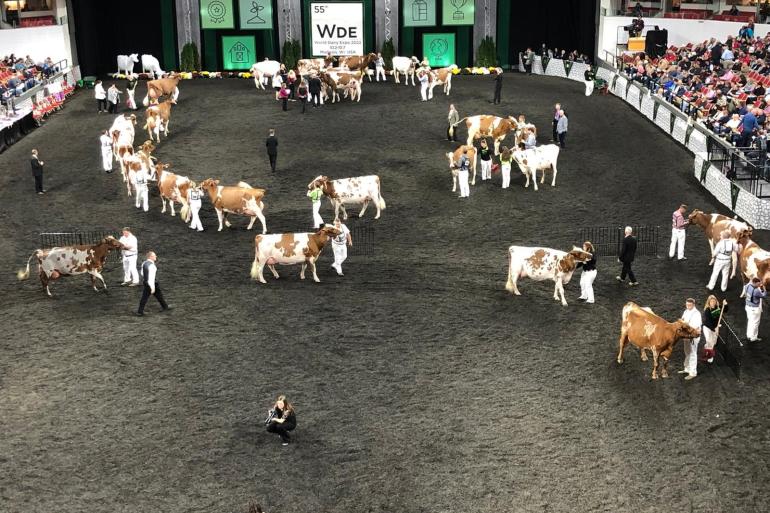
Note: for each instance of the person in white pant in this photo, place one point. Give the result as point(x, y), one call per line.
point(678, 225)
point(485, 156)
point(315, 195)
point(589, 81)
point(423, 77)
point(754, 293)
point(130, 273)
point(195, 200)
point(140, 185)
point(506, 157)
point(693, 318)
point(589, 274)
point(379, 66)
point(106, 143)
point(725, 255)
point(340, 245)
point(463, 165)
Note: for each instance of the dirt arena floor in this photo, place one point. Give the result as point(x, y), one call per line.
point(420, 384)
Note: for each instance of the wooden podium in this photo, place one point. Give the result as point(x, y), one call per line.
point(636, 44)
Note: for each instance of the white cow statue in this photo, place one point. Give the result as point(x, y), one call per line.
point(150, 64)
point(351, 191)
point(537, 159)
point(543, 264)
point(126, 63)
point(263, 71)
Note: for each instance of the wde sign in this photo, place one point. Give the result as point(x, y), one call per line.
point(338, 28)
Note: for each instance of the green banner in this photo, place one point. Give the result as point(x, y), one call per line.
point(545, 59)
point(217, 14)
point(655, 107)
point(419, 13)
point(457, 12)
point(704, 169)
point(734, 190)
point(628, 86)
point(256, 14)
point(238, 52)
point(614, 79)
point(567, 67)
point(687, 134)
point(439, 48)
point(673, 120)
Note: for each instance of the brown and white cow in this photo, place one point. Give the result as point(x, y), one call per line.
point(351, 191)
point(349, 82)
point(541, 158)
point(290, 249)
point(490, 126)
point(242, 199)
point(54, 263)
point(647, 331)
point(754, 262)
point(306, 66)
point(168, 86)
point(454, 156)
point(142, 159)
point(714, 224)
point(541, 264)
point(358, 63)
point(440, 76)
point(158, 117)
point(172, 188)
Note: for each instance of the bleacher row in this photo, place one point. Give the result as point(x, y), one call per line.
point(696, 14)
point(45, 105)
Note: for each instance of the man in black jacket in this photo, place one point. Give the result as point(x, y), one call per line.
point(37, 172)
point(626, 256)
point(272, 148)
point(314, 87)
point(498, 85)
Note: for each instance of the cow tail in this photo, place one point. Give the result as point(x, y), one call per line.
point(509, 283)
point(23, 275)
point(146, 101)
point(382, 200)
point(185, 212)
point(255, 268)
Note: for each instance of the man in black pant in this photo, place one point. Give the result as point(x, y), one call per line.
point(626, 256)
point(498, 85)
point(272, 148)
point(314, 86)
point(37, 172)
point(151, 286)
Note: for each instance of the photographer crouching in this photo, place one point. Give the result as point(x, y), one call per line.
point(281, 419)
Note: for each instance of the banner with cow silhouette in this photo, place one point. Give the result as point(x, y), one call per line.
point(337, 28)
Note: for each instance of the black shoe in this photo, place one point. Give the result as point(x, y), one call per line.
point(139, 314)
point(167, 308)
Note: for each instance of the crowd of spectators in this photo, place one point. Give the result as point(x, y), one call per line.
point(563, 54)
point(721, 85)
point(18, 75)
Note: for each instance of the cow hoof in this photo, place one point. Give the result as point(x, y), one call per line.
point(620, 361)
point(654, 376)
point(516, 293)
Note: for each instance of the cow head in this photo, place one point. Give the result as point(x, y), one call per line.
point(328, 230)
point(318, 181)
point(514, 123)
point(209, 184)
point(684, 330)
point(112, 243)
point(698, 218)
point(134, 57)
point(763, 272)
point(580, 255)
point(161, 168)
point(147, 147)
point(131, 118)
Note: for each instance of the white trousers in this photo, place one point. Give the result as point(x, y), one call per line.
point(589, 87)
point(195, 223)
point(380, 71)
point(141, 197)
point(340, 255)
point(465, 190)
point(753, 314)
point(506, 175)
point(486, 169)
point(424, 92)
point(317, 219)
point(107, 158)
point(691, 356)
point(711, 338)
point(720, 266)
point(677, 239)
point(587, 285)
point(130, 272)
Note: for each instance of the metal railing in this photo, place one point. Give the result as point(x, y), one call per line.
point(50, 240)
point(748, 166)
point(608, 240)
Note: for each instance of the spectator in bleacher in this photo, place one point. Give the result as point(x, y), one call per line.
point(749, 125)
point(734, 10)
point(764, 11)
point(638, 10)
point(113, 98)
point(28, 62)
point(101, 96)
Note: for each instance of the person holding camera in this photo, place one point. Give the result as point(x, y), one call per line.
point(281, 419)
point(754, 293)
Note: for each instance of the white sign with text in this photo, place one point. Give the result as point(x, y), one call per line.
point(337, 28)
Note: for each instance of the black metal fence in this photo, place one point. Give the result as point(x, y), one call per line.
point(607, 240)
point(748, 166)
point(363, 240)
point(50, 240)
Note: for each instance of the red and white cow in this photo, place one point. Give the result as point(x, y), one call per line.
point(358, 63)
point(755, 263)
point(541, 158)
point(490, 126)
point(351, 191)
point(454, 156)
point(263, 71)
point(405, 66)
point(158, 118)
point(440, 76)
point(162, 87)
point(172, 188)
point(290, 249)
point(714, 224)
point(543, 264)
point(54, 263)
point(306, 66)
point(349, 82)
point(242, 199)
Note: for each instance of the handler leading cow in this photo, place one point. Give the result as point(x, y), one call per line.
point(351, 191)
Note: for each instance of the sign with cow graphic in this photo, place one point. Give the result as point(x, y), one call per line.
point(337, 28)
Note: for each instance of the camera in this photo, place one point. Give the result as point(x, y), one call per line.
point(270, 416)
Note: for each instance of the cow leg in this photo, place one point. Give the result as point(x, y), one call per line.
point(542, 178)
point(261, 217)
point(98, 275)
point(643, 354)
point(163, 201)
point(251, 223)
point(366, 204)
point(666, 354)
point(175, 95)
point(654, 363)
point(227, 223)
point(275, 273)
point(553, 181)
point(302, 271)
point(260, 271)
point(558, 292)
point(171, 205)
point(621, 345)
point(311, 263)
point(711, 252)
point(513, 278)
point(533, 172)
point(219, 217)
point(45, 281)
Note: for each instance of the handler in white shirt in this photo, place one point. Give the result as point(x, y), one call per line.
point(130, 273)
point(725, 255)
point(693, 318)
point(423, 77)
point(101, 96)
point(340, 245)
point(142, 193)
point(106, 143)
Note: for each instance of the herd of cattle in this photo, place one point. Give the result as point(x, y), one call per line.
point(639, 326)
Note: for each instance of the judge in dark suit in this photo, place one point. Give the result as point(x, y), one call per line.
point(498, 85)
point(37, 172)
point(272, 148)
point(626, 256)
